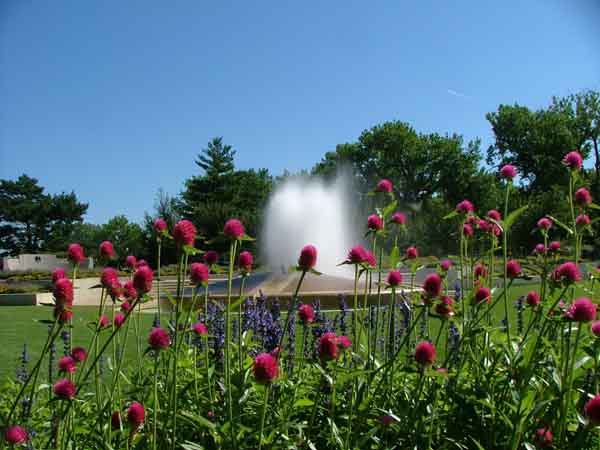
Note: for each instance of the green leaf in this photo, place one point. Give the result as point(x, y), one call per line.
point(450, 215)
point(594, 206)
point(560, 224)
point(513, 216)
point(394, 257)
point(303, 402)
point(389, 209)
point(198, 420)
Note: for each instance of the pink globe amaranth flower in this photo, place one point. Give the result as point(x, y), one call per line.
point(567, 273)
point(211, 257)
point(582, 310)
point(539, 249)
point(160, 225)
point(328, 346)
point(136, 415)
point(374, 222)
point(16, 435)
point(472, 220)
point(445, 307)
point(465, 207)
point(63, 292)
point(115, 420)
point(573, 160)
point(483, 294)
point(245, 261)
point(57, 274)
point(356, 255)
point(308, 257)
point(306, 313)
point(159, 339)
point(583, 197)
point(412, 253)
point(543, 438)
point(344, 342)
point(103, 322)
point(445, 265)
point(533, 298)
point(484, 226)
point(184, 233)
point(394, 278)
point(513, 269)
point(199, 273)
point(508, 172)
point(129, 292)
point(75, 253)
point(79, 354)
point(67, 364)
point(200, 329)
point(386, 420)
point(234, 229)
point(425, 353)
point(109, 277)
point(596, 329)
point(141, 263)
point(142, 279)
point(544, 223)
point(107, 250)
point(432, 285)
point(64, 389)
point(384, 186)
point(64, 315)
point(119, 320)
point(131, 261)
point(398, 218)
point(370, 259)
point(592, 410)
point(265, 368)
point(582, 220)
point(493, 214)
point(467, 230)
point(554, 246)
point(115, 290)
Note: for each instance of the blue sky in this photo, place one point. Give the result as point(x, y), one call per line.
point(114, 99)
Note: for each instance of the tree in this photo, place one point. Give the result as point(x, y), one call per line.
point(32, 221)
point(167, 208)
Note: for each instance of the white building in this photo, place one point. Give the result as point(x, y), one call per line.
point(40, 262)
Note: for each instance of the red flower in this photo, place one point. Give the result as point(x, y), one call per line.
point(582, 310)
point(141, 263)
point(573, 160)
point(592, 410)
point(119, 320)
point(57, 274)
point(513, 269)
point(465, 207)
point(200, 329)
point(142, 279)
point(103, 322)
point(344, 342)
point(425, 353)
point(384, 186)
point(387, 420)
point(398, 218)
point(374, 222)
point(412, 253)
point(539, 249)
point(508, 171)
point(109, 277)
point(64, 389)
point(115, 420)
point(245, 261)
point(583, 197)
point(159, 339)
point(15, 435)
point(160, 225)
point(567, 273)
point(199, 273)
point(554, 246)
point(136, 415)
point(67, 364)
point(394, 278)
point(544, 223)
point(308, 257)
point(115, 290)
point(483, 294)
point(356, 255)
point(63, 315)
point(63, 292)
point(306, 313)
point(211, 257)
point(328, 346)
point(129, 292)
point(432, 284)
point(533, 298)
point(131, 261)
point(107, 250)
point(596, 329)
point(75, 253)
point(543, 438)
point(582, 220)
point(493, 214)
point(79, 354)
point(234, 229)
point(265, 368)
point(184, 233)
point(467, 230)
point(445, 265)
point(444, 308)
point(370, 259)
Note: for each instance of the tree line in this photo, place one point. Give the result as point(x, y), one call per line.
point(431, 173)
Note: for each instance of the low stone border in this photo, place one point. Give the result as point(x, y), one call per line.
point(32, 299)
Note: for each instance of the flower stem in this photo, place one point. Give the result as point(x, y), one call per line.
point(263, 415)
